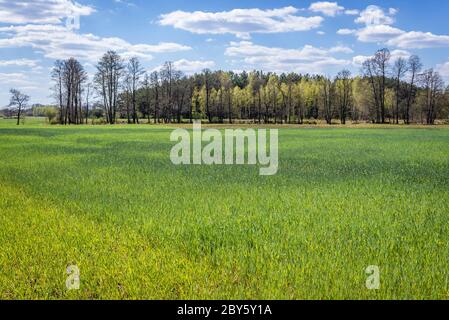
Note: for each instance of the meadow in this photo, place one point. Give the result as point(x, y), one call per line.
point(108, 200)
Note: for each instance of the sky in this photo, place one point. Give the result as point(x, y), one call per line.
point(271, 35)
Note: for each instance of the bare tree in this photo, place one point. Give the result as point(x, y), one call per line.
point(135, 72)
point(107, 80)
point(72, 76)
point(375, 69)
point(57, 76)
point(155, 84)
point(414, 67)
point(433, 87)
point(380, 60)
point(169, 78)
point(182, 96)
point(146, 87)
point(88, 94)
point(125, 97)
point(400, 69)
point(18, 100)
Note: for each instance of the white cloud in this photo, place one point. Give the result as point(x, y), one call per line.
point(330, 9)
point(57, 42)
point(419, 40)
point(395, 54)
point(189, 66)
point(378, 29)
point(308, 59)
point(241, 22)
point(19, 63)
point(352, 12)
point(393, 11)
point(395, 37)
point(360, 59)
point(374, 15)
point(40, 11)
point(32, 84)
point(341, 49)
point(378, 33)
point(443, 69)
point(345, 32)
point(13, 78)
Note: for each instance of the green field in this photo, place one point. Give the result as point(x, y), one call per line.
point(108, 200)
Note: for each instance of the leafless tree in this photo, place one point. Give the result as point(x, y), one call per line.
point(57, 77)
point(169, 77)
point(88, 94)
point(375, 69)
point(135, 72)
point(146, 87)
point(155, 84)
point(69, 77)
point(18, 100)
point(414, 67)
point(107, 80)
point(434, 87)
point(400, 69)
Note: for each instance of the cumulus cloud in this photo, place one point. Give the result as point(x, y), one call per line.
point(189, 66)
point(395, 55)
point(378, 33)
point(330, 9)
point(307, 59)
point(13, 78)
point(192, 66)
point(58, 42)
point(360, 59)
point(419, 40)
point(378, 29)
point(341, 49)
point(19, 63)
point(40, 25)
point(40, 11)
point(345, 32)
point(374, 15)
point(352, 12)
point(241, 22)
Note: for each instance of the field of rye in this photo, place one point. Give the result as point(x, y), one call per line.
point(108, 200)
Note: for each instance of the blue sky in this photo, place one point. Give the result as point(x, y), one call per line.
point(301, 36)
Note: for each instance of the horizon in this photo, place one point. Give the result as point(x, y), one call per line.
point(306, 37)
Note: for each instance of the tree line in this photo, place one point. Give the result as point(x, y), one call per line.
point(386, 91)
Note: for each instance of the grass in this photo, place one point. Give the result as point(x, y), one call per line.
point(109, 200)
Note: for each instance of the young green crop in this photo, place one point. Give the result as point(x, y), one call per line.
point(109, 200)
